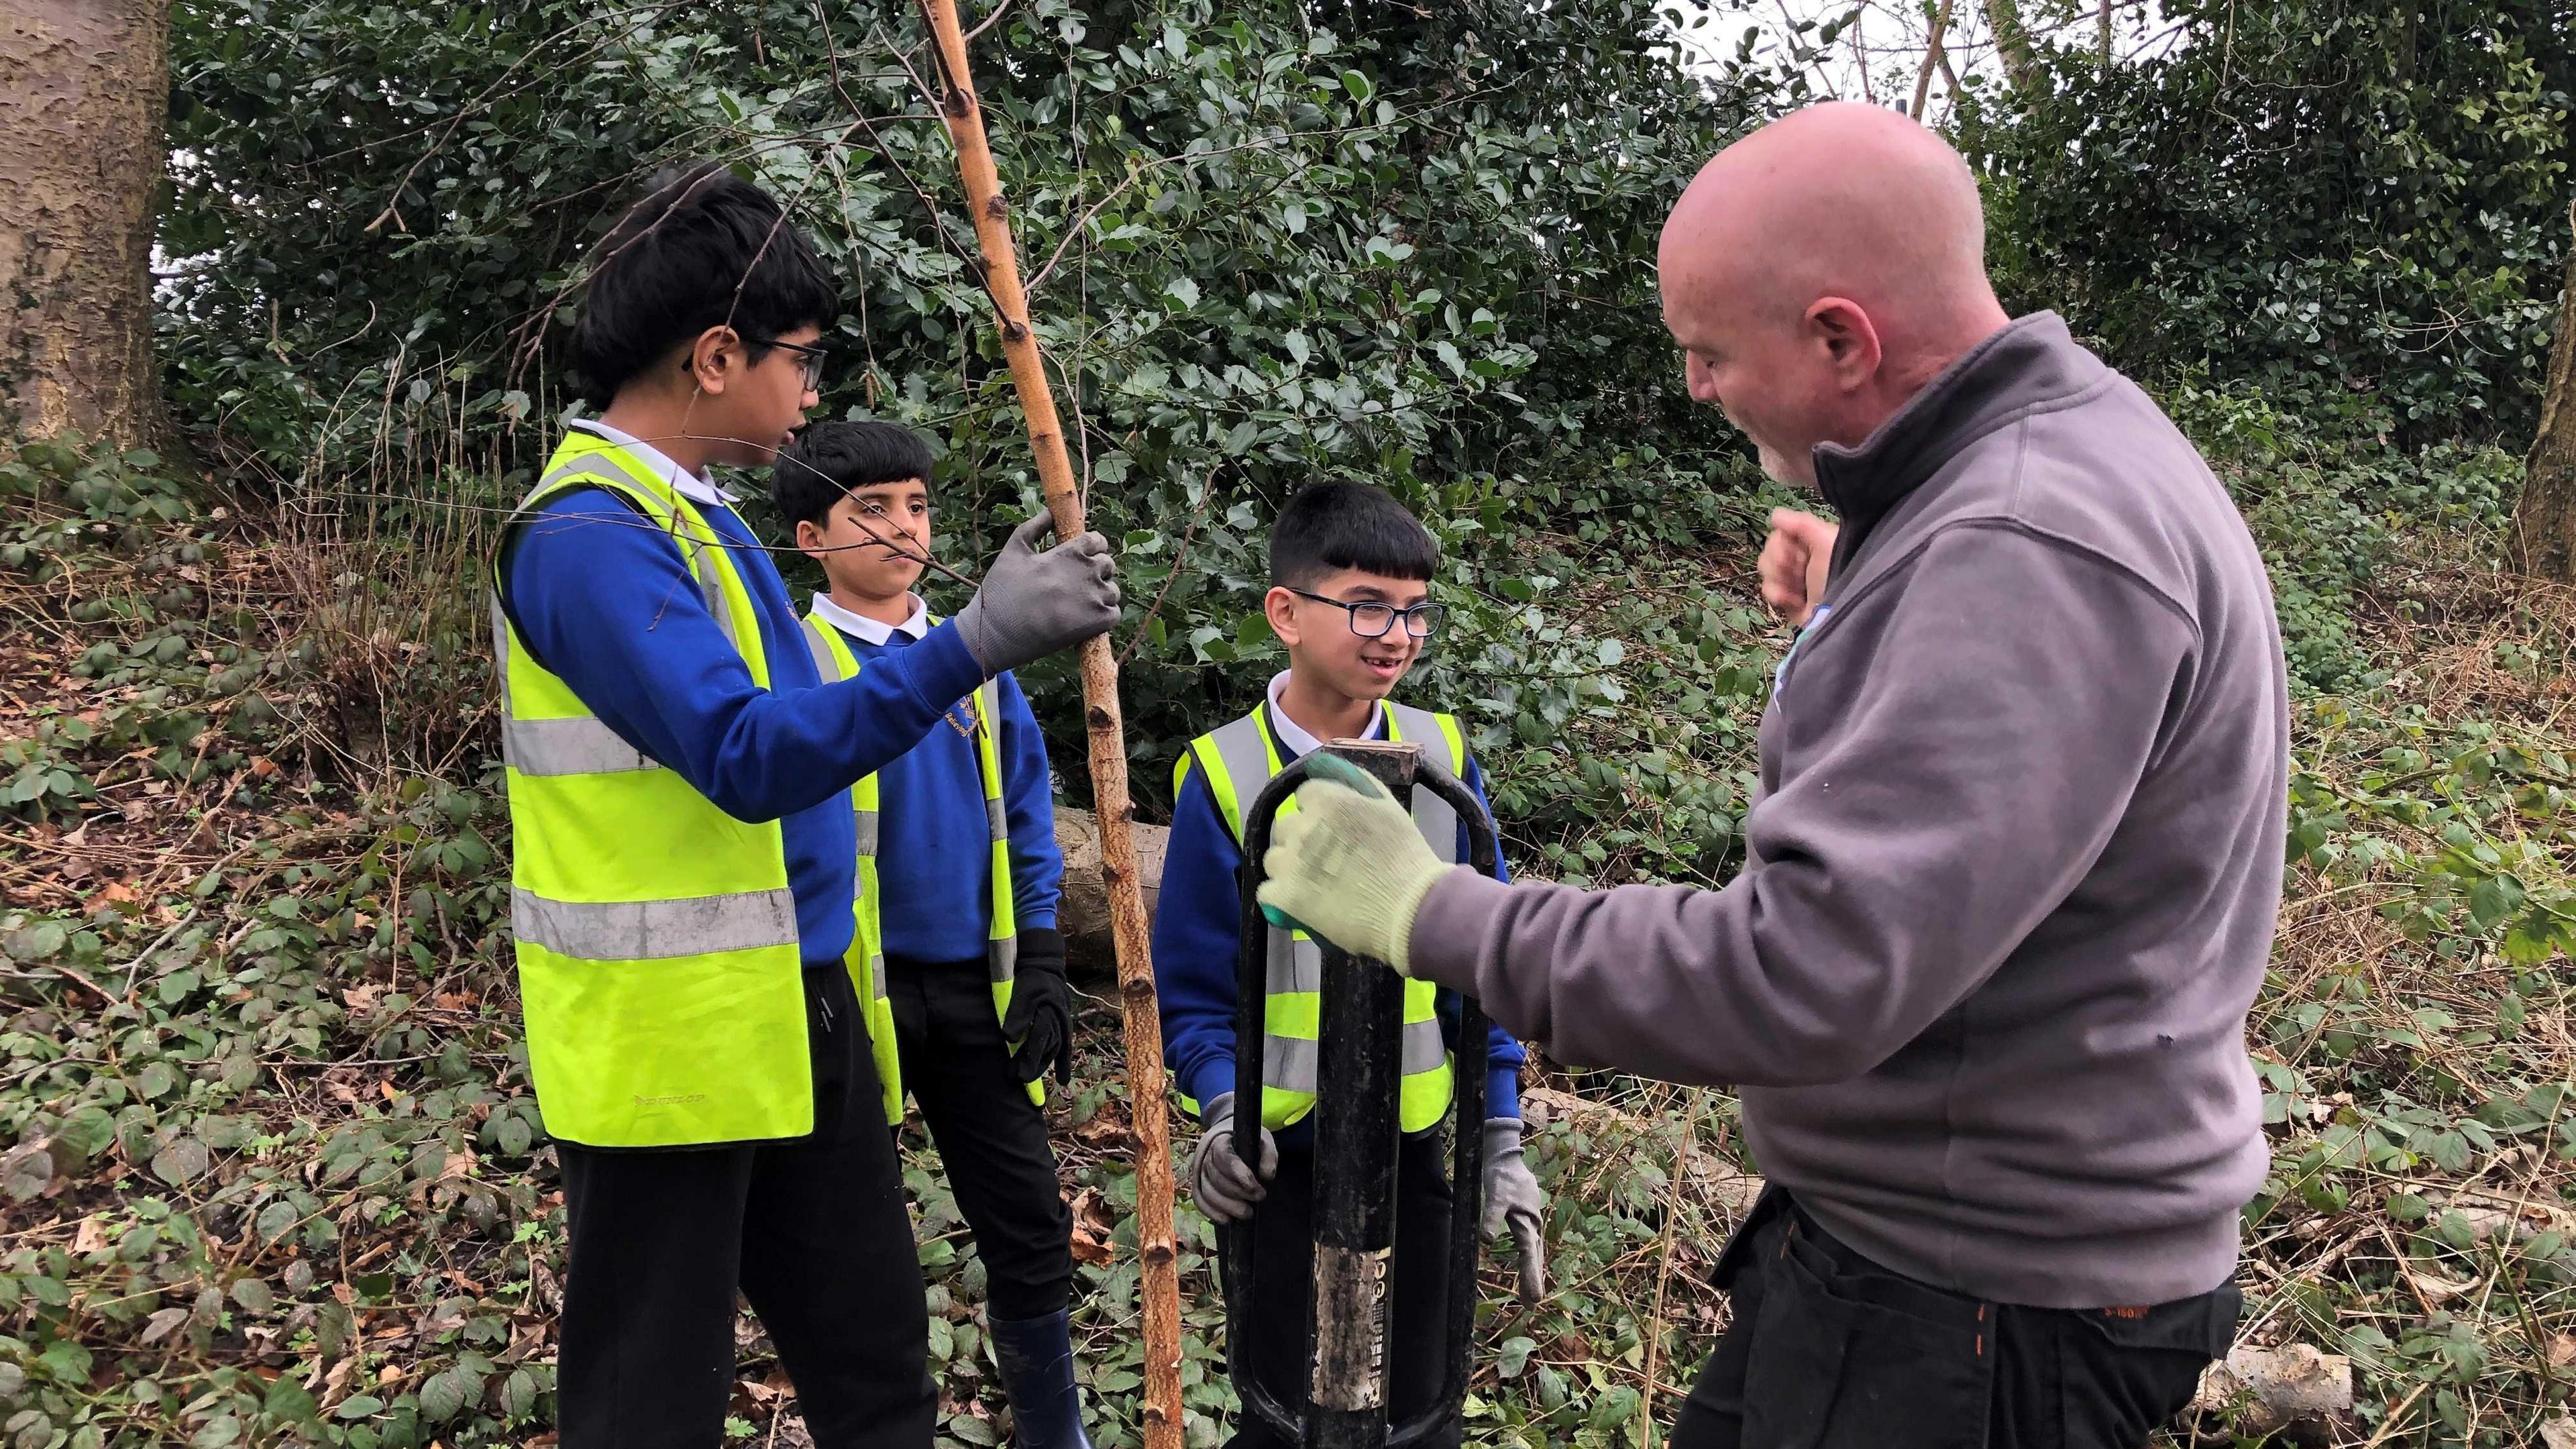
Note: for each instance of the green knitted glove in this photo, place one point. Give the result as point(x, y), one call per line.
point(1349, 866)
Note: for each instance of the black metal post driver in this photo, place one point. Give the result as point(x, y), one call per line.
point(1357, 1081)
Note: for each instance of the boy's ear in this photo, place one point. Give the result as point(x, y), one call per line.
point(809, 540)
point(712, 358)
point(1281, 607)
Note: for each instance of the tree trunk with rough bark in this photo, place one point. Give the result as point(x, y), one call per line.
point(1931, 59)
point(2544, 524)
point(84, 108)
point(2012, 43)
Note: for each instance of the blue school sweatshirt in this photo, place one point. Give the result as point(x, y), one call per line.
point(1198, 932)
point(934, 867)
point(603, 600)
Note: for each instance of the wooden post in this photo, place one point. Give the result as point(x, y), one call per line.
point(1128, 930)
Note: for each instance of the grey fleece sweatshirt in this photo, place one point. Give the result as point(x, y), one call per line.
point(2012, 874)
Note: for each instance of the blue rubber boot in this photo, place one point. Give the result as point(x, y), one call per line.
point(1036, 1355)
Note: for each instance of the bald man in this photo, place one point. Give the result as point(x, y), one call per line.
point(2011, 878)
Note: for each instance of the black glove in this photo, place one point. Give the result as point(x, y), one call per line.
point(1040, 1021)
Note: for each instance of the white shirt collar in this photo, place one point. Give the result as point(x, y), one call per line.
point(872, 631)
point(1294, 735)
point(696, 487)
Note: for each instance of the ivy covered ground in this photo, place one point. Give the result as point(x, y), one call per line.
point(272, 1174)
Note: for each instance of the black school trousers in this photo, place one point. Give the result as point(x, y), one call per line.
point(991, 1138)
point(1828, 1350)
point(812, 1230)
point(1283, 1263)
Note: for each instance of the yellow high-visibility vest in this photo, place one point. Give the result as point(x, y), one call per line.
point(1239, 759)
point(659, 971)
point(834, 658)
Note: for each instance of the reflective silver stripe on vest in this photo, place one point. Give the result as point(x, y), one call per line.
point(579, 745)
point(1291, 1063)
point(501, 653)
point(867, 820)
point(1426, 1048)
point(1294, 965)
point(655, 930)
point(1433, 816)
point(1002, 955)
point(1246, 757)
point(575, 745)
point(826, 667)
point(876, 978)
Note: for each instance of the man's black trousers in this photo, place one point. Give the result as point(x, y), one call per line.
point(1283, 1262)
point(813, 1231)
point(1828, 1350)
point(991, 1137)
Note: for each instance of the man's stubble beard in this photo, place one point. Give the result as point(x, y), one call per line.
point(1775, 466)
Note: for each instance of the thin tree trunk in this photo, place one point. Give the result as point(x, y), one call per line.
point(1931, 60)
point(2544, 523)
point(1156, 1251)
point(2012, 43)
point(84, 110)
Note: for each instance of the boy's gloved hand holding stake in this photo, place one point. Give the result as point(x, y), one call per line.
point(1033, 604)
point(1351, 867)
point(1225, 1186)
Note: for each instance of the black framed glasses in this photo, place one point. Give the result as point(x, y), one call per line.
point(813, 357)
point(1371, 619)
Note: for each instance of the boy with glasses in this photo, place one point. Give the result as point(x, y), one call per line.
point(1350, 573)
point(684, 855)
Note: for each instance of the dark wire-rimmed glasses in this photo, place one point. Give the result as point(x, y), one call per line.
point(807, 353)
point(1371, 619)
point(813, 357)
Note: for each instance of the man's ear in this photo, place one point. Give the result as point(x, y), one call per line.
point(713, 357)
point(1281, 607)
point(1849, 339)
point(809, 540)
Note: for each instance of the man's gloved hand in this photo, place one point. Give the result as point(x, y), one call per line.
point(1040, 1021)
point(1513, 1199)
point(1224, 1184)
point(1033, 604)
point(1348, 865)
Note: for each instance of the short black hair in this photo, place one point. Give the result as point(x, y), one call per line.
point(703, 248)
point(830, 460)
point(1330, 526)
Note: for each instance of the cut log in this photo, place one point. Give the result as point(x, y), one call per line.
point(1083, 916)
point(2298, 1392)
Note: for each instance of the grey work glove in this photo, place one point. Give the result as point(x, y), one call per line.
point(1224, 1184)
point(1512, 1197)
point(1033, 604)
